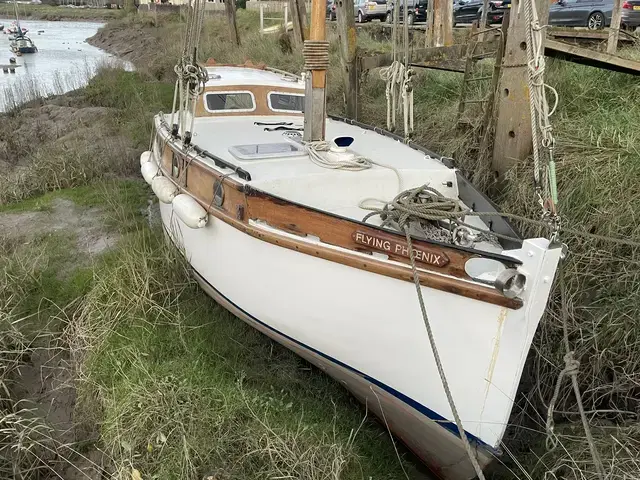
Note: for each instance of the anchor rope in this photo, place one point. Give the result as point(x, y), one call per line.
point(436, 357)
point(571, 369)
point(540, 123)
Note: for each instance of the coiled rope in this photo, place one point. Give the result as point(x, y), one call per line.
point(398, 85)
point(318, 154)
point(316, 54)
point(398, 79)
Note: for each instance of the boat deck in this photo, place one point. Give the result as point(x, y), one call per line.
point(340, 192)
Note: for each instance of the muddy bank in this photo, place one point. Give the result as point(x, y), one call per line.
point(140, 43)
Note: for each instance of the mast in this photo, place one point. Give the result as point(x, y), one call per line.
point(316, 62)
point(15, 7)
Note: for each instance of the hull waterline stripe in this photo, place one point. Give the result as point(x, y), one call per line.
point(427, 412)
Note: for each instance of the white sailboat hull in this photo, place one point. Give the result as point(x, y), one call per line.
point(366, 330)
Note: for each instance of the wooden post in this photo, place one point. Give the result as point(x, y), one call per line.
point(286, 16)
point(262, 18)
point(428, 33)
point(483, 18)
point(542, 8)
point(315, 108)
point(513, 141)
point(299, 18)
point(614, 29)
point(348, 55)
point(443, 23)
point(230, 9)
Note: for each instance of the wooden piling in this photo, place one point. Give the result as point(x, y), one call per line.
point(348, 55)
point(443, 23)
point(513, 138)
point(614, 29)
point(298, 11)
point(230, 9)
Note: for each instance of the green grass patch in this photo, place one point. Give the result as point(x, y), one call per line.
point(188, 390)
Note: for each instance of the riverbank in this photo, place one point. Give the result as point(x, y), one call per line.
point(181, 388)
point(55, 13)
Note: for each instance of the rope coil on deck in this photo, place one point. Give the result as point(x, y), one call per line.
point(316, 54)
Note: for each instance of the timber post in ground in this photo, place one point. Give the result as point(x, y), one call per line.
point(614, 29)
point(542, 8)
point(443, 23)
point(316, 59)
point(513, 139)
point(230, 9)
point(298, 11)
point(428, 33)
point(348, 55)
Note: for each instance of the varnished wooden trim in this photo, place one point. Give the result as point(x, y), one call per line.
point(259, 92)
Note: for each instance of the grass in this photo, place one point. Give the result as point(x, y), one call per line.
point(182, 389)
point(54, 13)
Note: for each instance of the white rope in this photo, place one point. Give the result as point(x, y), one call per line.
point(541, 129)
point(398, 79)
point(191, 76)
point(318, 153)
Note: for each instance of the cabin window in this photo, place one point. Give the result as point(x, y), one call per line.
point(286, 102)
point(230, 101)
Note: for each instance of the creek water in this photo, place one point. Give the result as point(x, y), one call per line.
point(64, 61)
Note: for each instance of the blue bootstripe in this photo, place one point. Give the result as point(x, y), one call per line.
point(438, 419)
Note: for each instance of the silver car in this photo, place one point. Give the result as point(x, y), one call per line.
point(593, 14)
point(366, 10)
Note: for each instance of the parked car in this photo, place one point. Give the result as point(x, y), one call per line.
point(331, 9)
point(469, 11)
point(593, 14)
point(366, 10)
point(631, 14)
point(417, 11)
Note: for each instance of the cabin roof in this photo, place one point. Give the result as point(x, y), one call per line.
point(248, 76)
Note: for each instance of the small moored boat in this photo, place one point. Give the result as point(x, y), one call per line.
point(22, 44)
point(270, 202)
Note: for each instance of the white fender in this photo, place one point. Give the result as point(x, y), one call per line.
point(189, 211)
point(150, 170)
point(145, 157)
point(164, 189)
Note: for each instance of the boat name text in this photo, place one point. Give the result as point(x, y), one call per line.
point(439, 259)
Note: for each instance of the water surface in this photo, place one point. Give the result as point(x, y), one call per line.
point(65, 61)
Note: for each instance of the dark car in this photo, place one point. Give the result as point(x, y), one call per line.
point(593, 14)
point(631, 14)
point(469, 11)
point(417, 11)
point(331, 9)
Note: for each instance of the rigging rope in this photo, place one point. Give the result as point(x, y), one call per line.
point(541, 129)
point(191, 77)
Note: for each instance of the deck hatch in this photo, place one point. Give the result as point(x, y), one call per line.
point(259, 151)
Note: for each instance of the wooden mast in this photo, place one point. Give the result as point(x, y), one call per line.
point(316, 56)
